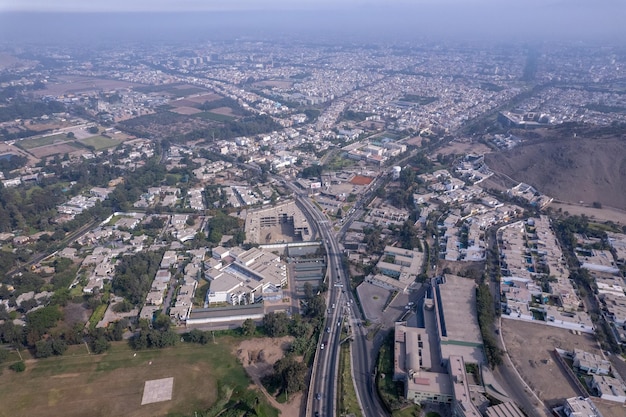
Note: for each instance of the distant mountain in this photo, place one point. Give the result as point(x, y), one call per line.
point(577, 169)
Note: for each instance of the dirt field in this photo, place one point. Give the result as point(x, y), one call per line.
point(4, 148)
point(226, 111)
point(603, 214)
point(204, 97)
point(56, 149)
point(186, 110)
point(258, 357)
point(69, 84)
point(464, 148)
point(530, 346)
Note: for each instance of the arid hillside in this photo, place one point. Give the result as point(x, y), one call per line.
point(572, 170)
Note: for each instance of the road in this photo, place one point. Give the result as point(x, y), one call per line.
point(342, 310)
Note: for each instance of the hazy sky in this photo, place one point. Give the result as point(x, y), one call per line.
point(494, 19)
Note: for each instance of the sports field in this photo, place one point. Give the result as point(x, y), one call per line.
point(43, 141)
point(79, 384)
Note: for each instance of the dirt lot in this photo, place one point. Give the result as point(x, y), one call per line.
point(530, 346)
point(226, 111)
point(186, 110)
point(258, 357)
point(73, 84)
point(464, 147)
point(603, 214)
point(204, 97)
point(59, 148)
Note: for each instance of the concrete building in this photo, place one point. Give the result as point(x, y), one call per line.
point(457, 321)
point(580, 407)
point(590, 363)
point(462, 405)
point(608, 388)
point(259, 221)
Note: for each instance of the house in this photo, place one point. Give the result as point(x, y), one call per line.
point(608, 388)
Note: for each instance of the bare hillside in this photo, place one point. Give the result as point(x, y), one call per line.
point(572, 170)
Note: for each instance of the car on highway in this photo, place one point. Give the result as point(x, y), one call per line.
point(318, 396)
point(322, 346)
point(328, 330)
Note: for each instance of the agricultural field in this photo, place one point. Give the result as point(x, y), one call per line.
point(111, 384)
point(99, 142)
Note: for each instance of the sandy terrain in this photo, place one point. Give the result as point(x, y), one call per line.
point(186, 110)
point(57, 148)
point(571, 170)
point(530, 346)
point(455, 147)
point(204, 97)
point(603, 214)
point(226, 111)
point(72, 84)
point(258, 357)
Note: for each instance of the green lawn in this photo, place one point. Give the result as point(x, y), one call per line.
point(348, 403)
point(111, 384)
point(42, 141)
point(99, 142)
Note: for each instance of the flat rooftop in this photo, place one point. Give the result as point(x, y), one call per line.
point(457, 301)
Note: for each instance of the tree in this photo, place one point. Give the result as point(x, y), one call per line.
point(292, 372)
point(93, 130)
point(248, 327)
point(276, 324)
point(70, 135)
point(18, 366)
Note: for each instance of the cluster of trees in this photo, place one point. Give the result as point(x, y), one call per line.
point(222, 224)
point(158, 336)
point(314, 171)
point(44, 339)
point(408, 236)
point(21, 109)
point(248, 126)
point(12, 162)
point(134, 275)
point(372, 238)
point(486, 320)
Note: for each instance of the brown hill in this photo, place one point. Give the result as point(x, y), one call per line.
point(572, 170)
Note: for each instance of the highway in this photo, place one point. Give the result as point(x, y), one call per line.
point(342, 311)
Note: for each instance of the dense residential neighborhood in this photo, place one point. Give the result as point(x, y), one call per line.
point(337, 200)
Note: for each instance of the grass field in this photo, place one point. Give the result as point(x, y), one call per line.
point(214, 116)
point(42, 141)
point(348, 403)
point(99, 142)
point(111, 384)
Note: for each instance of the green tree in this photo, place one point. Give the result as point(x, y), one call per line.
point(18, 366)
point(248, 327)
point(276, 324)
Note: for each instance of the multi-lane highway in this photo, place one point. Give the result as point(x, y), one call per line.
point(342, 311)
